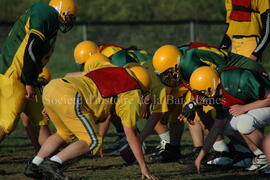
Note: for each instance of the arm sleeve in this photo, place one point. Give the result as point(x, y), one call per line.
point(216, 130)
point(265, 36)
point(40, 21)
point(128, 108)
point(32, 64)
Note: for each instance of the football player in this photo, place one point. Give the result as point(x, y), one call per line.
point(82, 55)
point(26, 51)
point(160, 104)
point(174, 70)
point(76, 104)
point(248, 27)
point(242, 102)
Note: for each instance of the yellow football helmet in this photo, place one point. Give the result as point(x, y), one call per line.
point(67, 10)
point(165, 63)
point(95, 57)
point(167, 56)
point(109, 49)
point(205, 80)
point(142, 75)
point(83, 50)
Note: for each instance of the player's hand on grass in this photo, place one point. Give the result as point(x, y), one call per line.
point(30, 92)
point(147, 174)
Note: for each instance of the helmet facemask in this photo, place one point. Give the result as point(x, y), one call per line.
point(207, 97)
point(67, 10)
point(171, 77)
point(66, 22)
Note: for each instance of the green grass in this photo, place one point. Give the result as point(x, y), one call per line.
point(16, 151)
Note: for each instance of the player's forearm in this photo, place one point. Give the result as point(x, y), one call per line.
point(216, 129)
point(135, 145)
point(150, 125)
point(257, 104)
point(32, 65)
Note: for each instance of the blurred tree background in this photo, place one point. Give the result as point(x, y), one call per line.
point(115, 10)
point(148, 37)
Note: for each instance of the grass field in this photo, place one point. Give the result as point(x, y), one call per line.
point(16, 150)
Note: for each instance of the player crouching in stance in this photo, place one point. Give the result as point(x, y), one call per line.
point(76, 104)
point(242, 103)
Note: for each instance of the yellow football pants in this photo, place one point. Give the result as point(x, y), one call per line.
point(12, 99)
point(66, 109)
point(244, 46)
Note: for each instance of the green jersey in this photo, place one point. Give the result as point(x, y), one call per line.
point(124, 57)
point(40, 19)
point(241, 86)
point(196, 55)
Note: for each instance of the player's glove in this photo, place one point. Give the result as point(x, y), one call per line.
point(189, 110)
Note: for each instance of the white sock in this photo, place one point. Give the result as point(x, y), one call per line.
point(257, 152)
point(220, 146)
point(37, 160)
point(241, 148)
point(165, 136)
point(56, 159)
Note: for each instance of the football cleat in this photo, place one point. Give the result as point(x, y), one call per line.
point(259, 162)
point(32, 170)
point(242, 160)
point(243, 163)
point(170, 154)
point(160, 148)
point(52, 170)
point(221, 159)
point(265, 171)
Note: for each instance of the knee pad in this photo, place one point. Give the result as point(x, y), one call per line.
point(245, 124)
